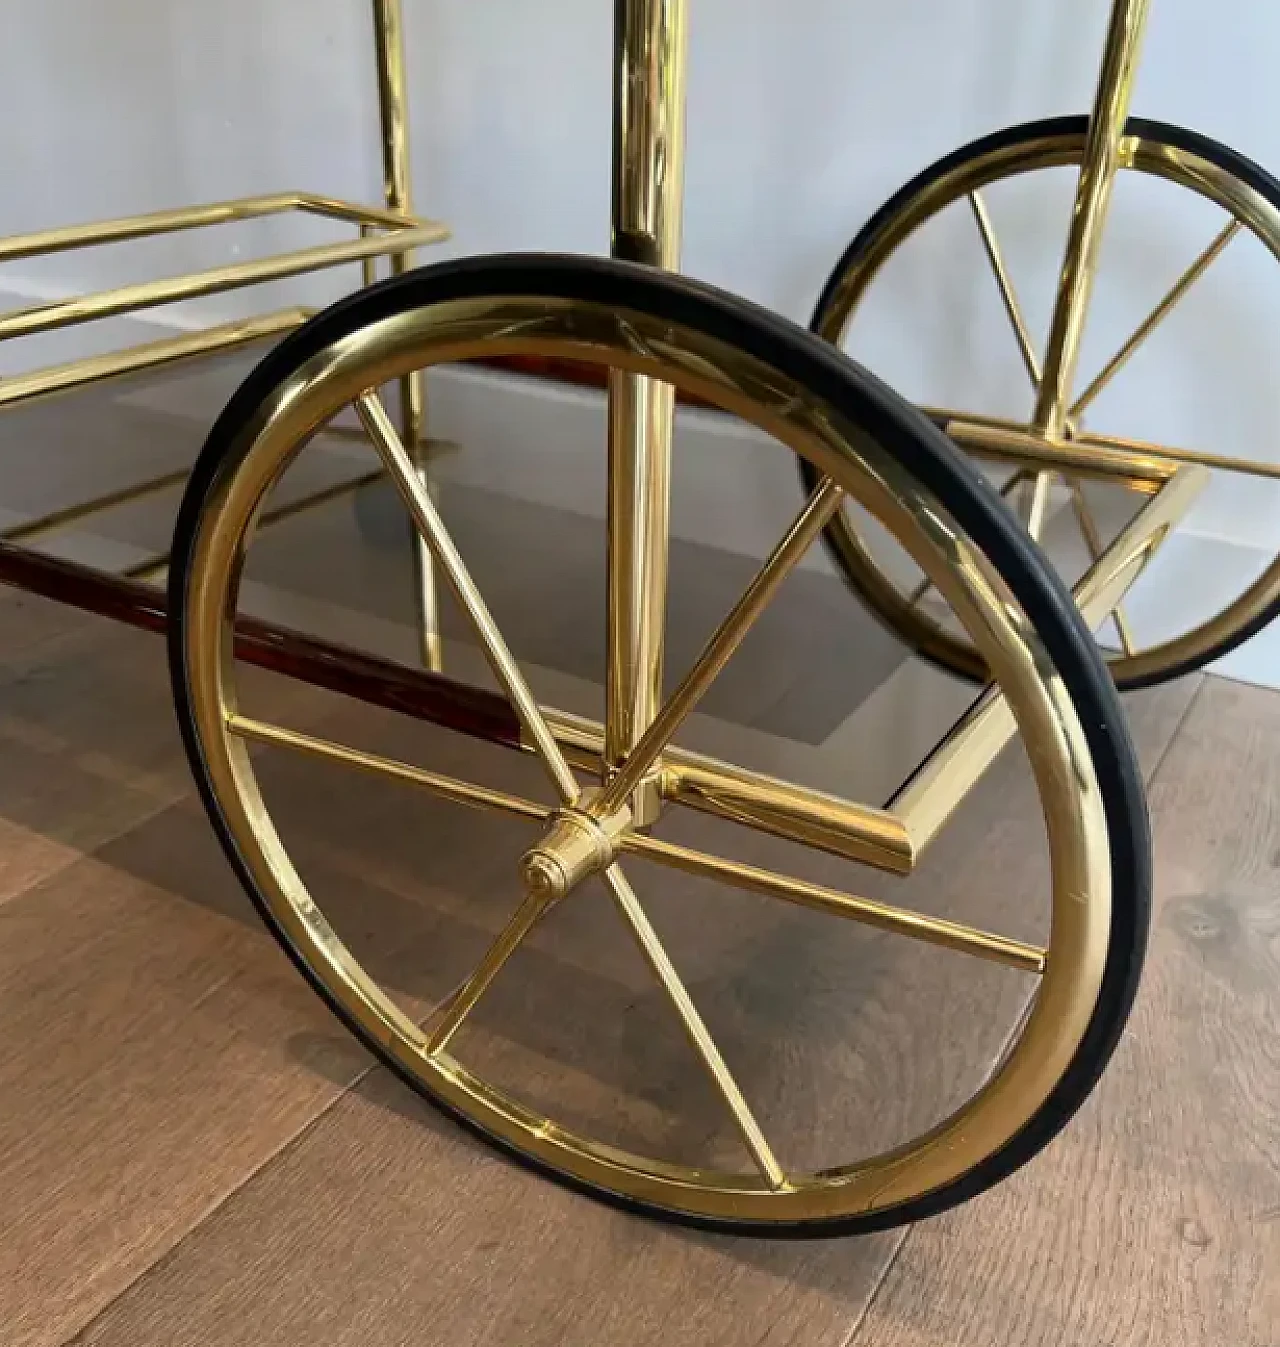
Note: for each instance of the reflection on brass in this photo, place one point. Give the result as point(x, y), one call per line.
point(447, 787)
point(581, 842)
point(1140, 465)
point(42, 242)
point(393, 115)
point(157, 565)
point(59, 519)
point(649, 57)
point(1037, 502)
point(1008, 442)
point(696, 1031)
point(430, 526)
point(815, 818)
point(1009, 491)
point(151, 294)
point(802, 534)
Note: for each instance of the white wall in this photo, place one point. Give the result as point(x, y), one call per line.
point(804, 115)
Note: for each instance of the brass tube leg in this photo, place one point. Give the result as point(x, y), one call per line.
point(1093, 197)
point(650, 40)
point(393, 113)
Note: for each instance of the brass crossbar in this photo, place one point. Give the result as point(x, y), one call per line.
point(217, 280)
point(68, 238)
point(147, 356)
point(1139, 465)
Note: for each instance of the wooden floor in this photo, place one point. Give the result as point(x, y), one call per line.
point(192, 1152)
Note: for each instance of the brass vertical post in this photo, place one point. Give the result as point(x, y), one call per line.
point(393, 112)
point(650, 43)
point(1093, 196)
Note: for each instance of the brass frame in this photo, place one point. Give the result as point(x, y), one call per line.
point(392, 231)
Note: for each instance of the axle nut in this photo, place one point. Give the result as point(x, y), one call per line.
point(575, 846)
point(544, 875)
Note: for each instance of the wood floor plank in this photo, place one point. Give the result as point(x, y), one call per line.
point(416, 1234)
point(26, 621)
point(1155, 1218)
point(155, 1050)
point(88, 746)
point(386, 1225)
point(155, 1046)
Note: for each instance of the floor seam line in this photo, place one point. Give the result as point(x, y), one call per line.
point(1158, 767)
point(286, 1144)
point(890, 1263)
point(93, 853)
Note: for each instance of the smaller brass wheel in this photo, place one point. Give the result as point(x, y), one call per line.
point(582, 846)
point(987, 225)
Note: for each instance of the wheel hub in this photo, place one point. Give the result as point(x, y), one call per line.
point(576, 846)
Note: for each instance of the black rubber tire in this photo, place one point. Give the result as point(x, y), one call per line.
point(925, 452)
point(1073, 128)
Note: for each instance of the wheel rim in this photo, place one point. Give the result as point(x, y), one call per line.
point(729, 377)
point(1163, 153)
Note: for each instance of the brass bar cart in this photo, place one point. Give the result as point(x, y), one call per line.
point(986, 602)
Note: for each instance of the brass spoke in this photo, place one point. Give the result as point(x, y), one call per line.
point(1038, 503)
point(1001, 273)
point(808, 524)
point(1124, 631)
point(1093, 540)
point(450, 788)
point(699, 1036)
point(431, 528)
point(883, 916)
point(455, 1008)
point(1157, 315)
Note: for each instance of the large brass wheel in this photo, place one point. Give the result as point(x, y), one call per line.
point(863, 441)
point(973, 244)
